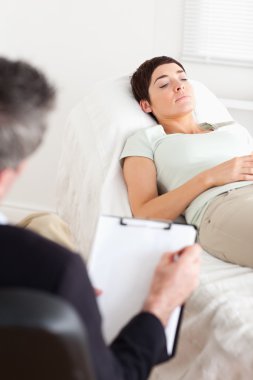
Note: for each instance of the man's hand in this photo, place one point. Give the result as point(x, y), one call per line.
point(97, 292)
point(175, 278)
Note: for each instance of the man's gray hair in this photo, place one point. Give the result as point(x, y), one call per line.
point(25, 99)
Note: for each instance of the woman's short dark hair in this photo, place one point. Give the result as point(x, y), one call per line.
point(140, 80)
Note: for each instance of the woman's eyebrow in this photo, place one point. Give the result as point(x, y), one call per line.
point(166, 76)
point(162, 76)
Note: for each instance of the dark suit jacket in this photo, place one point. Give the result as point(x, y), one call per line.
point(30, 261)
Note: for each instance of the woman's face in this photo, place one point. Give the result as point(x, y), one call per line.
point(171, 95)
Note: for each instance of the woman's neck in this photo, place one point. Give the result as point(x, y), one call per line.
point(183, 124)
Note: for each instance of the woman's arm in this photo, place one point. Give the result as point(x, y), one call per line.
point(141, 181)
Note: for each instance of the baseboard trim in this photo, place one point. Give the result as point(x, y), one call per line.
point(16, 212)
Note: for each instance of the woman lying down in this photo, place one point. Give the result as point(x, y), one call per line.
point(178, 166)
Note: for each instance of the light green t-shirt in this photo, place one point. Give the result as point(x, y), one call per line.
point(178, 157)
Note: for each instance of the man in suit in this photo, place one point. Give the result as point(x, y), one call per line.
point(31, 261)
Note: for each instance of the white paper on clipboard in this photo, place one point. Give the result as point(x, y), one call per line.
point(124, 255)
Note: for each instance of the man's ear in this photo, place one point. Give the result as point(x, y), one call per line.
point(8, 176)
point(21, 166)
point(145, 106)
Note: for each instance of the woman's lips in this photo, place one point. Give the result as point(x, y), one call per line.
point(183, 97)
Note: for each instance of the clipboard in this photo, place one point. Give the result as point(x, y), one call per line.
point(124, 255)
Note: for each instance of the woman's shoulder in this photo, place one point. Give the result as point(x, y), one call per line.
point(148, 133)
point(142, 142)
point(230, 126)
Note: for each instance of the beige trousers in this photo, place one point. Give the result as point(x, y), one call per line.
point(50, 226)
point(226, 229)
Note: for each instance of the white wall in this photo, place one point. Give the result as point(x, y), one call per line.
point(79, 42)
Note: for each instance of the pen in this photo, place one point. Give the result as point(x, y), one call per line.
point(177, 255)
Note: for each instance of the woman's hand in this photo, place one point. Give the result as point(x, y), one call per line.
point(236, 169)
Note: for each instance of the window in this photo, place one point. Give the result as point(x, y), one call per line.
point(219, 31)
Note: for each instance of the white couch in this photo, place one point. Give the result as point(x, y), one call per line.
point(217, 333)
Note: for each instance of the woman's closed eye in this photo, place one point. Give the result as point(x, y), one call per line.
point(164, 85)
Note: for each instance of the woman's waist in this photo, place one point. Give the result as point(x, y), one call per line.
point(196, 209)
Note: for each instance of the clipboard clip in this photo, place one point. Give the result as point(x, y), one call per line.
point(138, 222)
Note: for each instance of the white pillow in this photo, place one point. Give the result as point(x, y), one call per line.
point(90, 179)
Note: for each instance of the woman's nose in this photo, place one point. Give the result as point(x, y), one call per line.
point(179, 86)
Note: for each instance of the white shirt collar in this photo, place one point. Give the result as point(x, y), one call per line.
point(3, 219)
